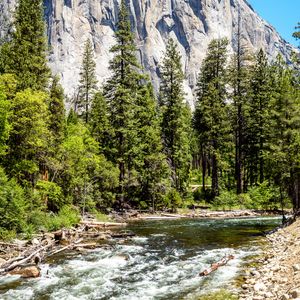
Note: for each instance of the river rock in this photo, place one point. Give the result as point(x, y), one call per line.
point(296, 267)
point(27, 272)
point(259, 286)
point(295, 294)
point(2, 261)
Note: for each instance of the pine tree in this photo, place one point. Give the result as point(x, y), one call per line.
point(99, 123)
point(57, 119)
point(239, 82)
point(210, 118)
point(282, 157)
point(258, 118)
point(151, 164)
point(296, 34)
point(26, 53)
point(121, 92)
point(176, 121)
point(88, 81)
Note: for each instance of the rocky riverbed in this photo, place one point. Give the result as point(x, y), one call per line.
point(278, 273)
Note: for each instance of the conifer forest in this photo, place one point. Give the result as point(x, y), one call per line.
point(122, 145)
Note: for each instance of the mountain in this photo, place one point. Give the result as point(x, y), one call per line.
point(192, 23)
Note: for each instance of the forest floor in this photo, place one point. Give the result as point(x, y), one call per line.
point(278, 274)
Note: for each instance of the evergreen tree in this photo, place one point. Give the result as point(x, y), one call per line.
point(151, 163)
point(57, 119)
point(296, 34)
point(88, 81)
point(120, 92)
point(99, 123)
point(4, 124)
point(176, 121)
point(258, 118)
point(239, 82)
point(210, 118)
point(282, 157)
point(26, 53)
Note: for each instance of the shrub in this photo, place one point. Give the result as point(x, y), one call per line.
point(67, 217)
point(227, 199)
point(12, 204)
point(173, 199)
point(51, 193)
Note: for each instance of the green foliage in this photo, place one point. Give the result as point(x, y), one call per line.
point(264, 196)
point(4, 125)
point(57, 119)
point(87, 82)
point(87, 177)
point(51, 193)
point(173, 199)
point(12, 205)
point(211, 116)
point(29, 135)
point(176, 119)
point(67, 217)
point(25, 55)
point(226, 200)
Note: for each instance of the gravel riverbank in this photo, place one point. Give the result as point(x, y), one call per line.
point(278, 274)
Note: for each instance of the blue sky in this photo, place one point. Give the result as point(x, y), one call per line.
point(282, 14)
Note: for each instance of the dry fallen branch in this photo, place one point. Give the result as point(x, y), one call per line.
point(215, 266)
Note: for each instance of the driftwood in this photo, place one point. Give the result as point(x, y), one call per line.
point(214, 266)
point(47, 244)
point(101, 224)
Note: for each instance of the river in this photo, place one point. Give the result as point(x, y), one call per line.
point(162, 262)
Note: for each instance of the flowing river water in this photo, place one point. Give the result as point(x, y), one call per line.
point(162, 262)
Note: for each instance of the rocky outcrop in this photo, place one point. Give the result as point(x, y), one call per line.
point(192, 23)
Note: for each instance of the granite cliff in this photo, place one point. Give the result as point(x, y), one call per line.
point(192, 23)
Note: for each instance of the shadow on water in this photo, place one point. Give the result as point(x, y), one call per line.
point(162, 262)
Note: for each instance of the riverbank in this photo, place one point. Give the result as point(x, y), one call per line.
point(278, 273)
point(195, 213)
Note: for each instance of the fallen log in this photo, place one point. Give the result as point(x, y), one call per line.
point(101, 224)
point(65, 248)
point(26, 259)
point(215, 266)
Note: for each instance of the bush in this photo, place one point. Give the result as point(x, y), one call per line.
point(173, 199)
point(264, 196)
point(227, 199)
point(67, 217)
point(12, 205)
point(51, 194)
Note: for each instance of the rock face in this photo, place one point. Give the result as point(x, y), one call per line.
point(192, 23)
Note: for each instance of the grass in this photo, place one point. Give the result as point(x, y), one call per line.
point(219, 295)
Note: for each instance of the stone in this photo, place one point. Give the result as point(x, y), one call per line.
point(2, 261)
point(295, 294)
point(285, 297)
point(268, 295)
point(27, 272)
point(192, 24)
point(259, 286)
point(35, 241)
point(296, 267)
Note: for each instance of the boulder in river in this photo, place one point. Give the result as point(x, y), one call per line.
point(27, 272)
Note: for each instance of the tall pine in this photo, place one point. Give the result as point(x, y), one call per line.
point(210, 117)
point(88, 81)
point(27, 50)
point(176, 120)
